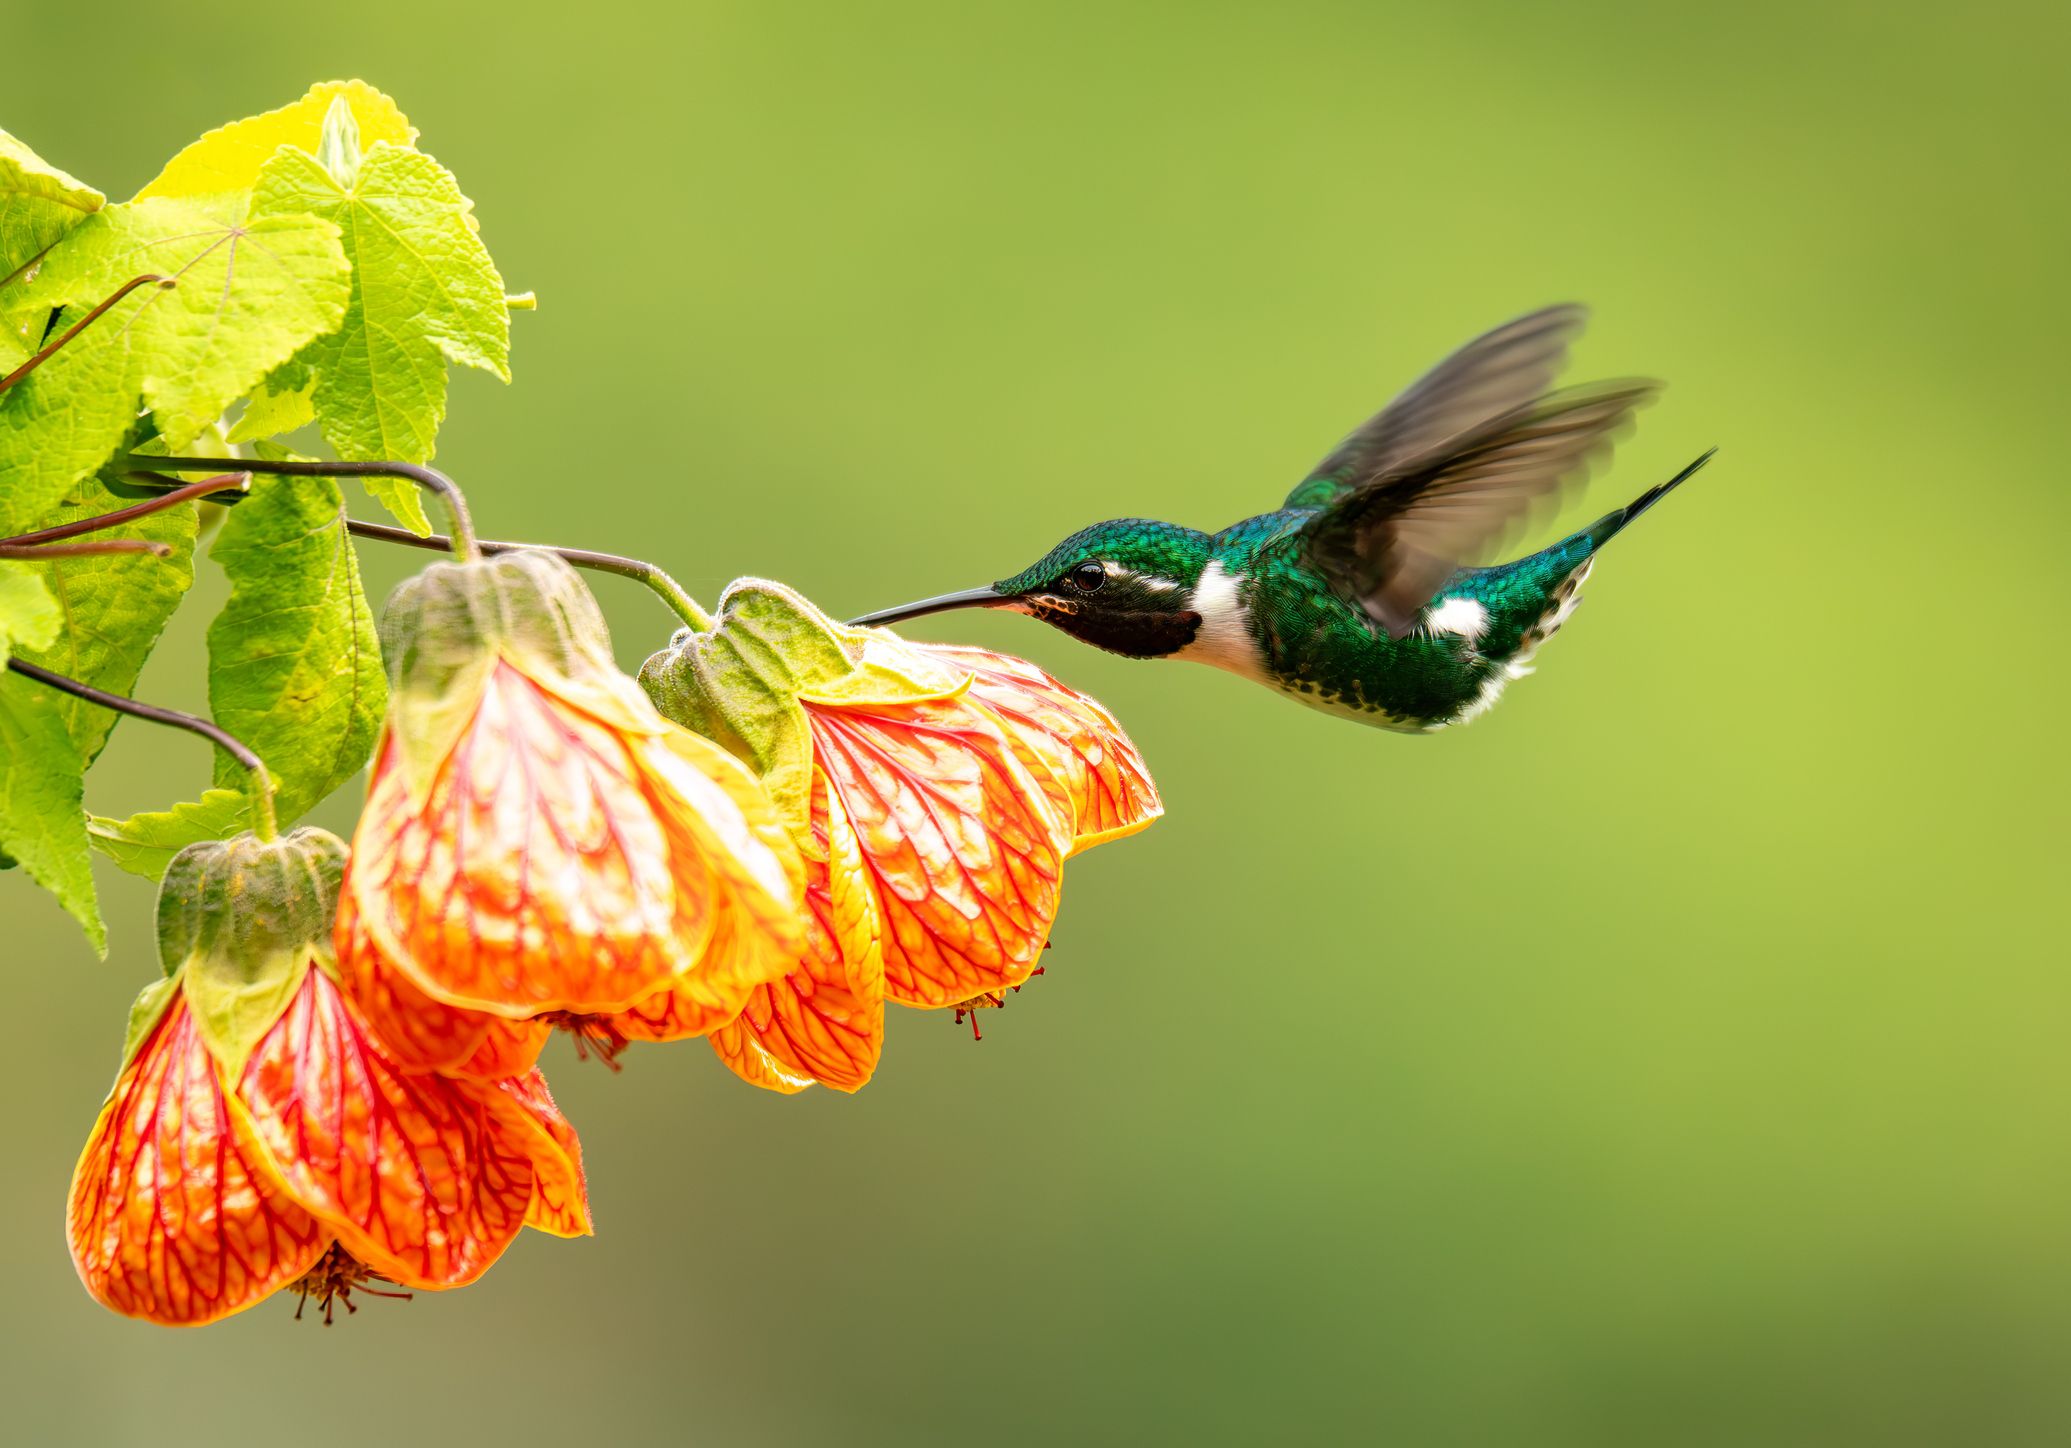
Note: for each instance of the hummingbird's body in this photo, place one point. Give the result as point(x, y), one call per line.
point(1349, 596)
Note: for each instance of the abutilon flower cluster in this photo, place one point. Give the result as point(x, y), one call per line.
point(259, 1137)
point(934, 793)
point(785, 824)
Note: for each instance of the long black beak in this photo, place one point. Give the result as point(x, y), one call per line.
point(987, 597)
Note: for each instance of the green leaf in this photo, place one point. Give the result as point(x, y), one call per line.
point(278, 407)
point(251, 292)
point(112, 607)
point(38, 204)
point(42, 818)
point(424, 292)
point(144, 844)
point(62, 421)
point(294, 659)
point(229, 157)
point(29, 617)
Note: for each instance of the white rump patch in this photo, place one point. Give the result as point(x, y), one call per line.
point(1463, 616)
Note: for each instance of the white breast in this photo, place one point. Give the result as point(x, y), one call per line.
point(1224, 640)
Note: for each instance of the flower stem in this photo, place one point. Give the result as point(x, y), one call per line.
point(263, 823)
point(32, 552)
point(80, 326)
point(671, 592)
point(464, 546)
point(178, 495)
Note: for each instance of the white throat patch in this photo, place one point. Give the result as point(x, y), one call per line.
point(1224, 640)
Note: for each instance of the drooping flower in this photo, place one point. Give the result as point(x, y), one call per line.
point(538, 843)
point(935, 793)
point(256, 1137)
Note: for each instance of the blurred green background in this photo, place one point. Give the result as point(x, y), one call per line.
point(1675, 1057)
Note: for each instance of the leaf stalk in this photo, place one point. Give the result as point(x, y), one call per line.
point(465, 547)
point(33, 552)
point(53, 348)
point(264, 824)
point(178, 495)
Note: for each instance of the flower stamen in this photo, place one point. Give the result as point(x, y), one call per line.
point(335, 1277)
point(593, 1035)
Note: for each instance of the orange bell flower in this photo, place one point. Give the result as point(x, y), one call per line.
point(538, 843)
point(257, 1139)
point(935, 793)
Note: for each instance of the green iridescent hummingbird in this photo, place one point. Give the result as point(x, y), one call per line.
point(1353, 596)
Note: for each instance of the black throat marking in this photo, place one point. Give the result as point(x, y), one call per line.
point(1135, 634)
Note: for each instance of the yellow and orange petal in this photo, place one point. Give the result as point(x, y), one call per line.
point(560, 1191)
point(963, 845)
point(417, 1032)
point(824, 1021)
point(176, 1213)
point(420, 1177)
point(537, 874)
point(1056, 727)
point(755, 925)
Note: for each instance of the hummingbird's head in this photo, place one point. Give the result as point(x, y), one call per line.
point(1126, 586)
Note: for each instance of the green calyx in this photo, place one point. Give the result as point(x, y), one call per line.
point(746, 683)
point(445, 629)
point(239, 923)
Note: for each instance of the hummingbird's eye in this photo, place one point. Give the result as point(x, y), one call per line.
point(1087, 577)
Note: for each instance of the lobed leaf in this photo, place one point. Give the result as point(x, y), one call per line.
point(424, 292)
point(42, 816)
point(111, 608)
point(61, 422)
point(251, 291)
point(294, 659)
point(229, 158)
point(38, 204)
point(279, 406)
point(144, 844)
point(29, 617)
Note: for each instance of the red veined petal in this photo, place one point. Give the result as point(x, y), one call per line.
point(175, 1213)
point(537, 874)
point(825, 1020)
point(560, 1191)
point(755, 929)
point(700, 1001)
point(511, 1048)
point(418, 1032)
point(1110, 786)
point(962, 844)
point(417, 1174)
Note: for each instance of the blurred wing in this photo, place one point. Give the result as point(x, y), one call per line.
point(1391, 543)
point(1494, 374)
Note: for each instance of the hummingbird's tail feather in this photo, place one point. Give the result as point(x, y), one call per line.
point(1611, 524)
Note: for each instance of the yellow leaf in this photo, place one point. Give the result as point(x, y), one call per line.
point(229, 157)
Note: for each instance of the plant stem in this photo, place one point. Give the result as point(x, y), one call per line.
point(31, 552)
point(465, 548)
point(263, 824)
point(178, 495)
point(81, 325)
point(671, 592)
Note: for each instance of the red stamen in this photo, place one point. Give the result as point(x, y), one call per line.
point(593, 1035)
point(333, 1279)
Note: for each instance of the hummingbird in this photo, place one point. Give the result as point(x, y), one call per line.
point(1357, 595)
